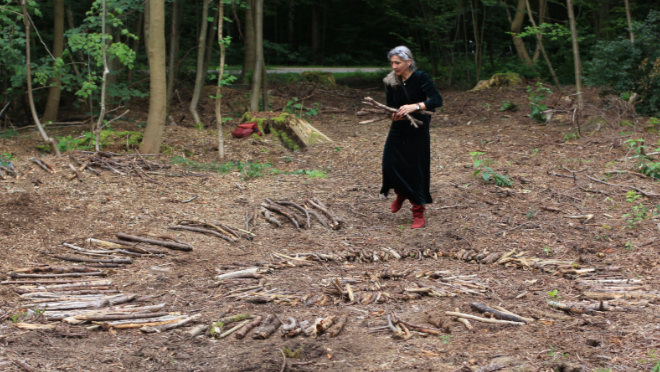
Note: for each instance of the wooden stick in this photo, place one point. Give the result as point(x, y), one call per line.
point(43, 165)
point(90, 260)
point(168, 326)
point(339, 327)
point(271, 205)
point(269, 217)
point(247, 273)
point(270, 325)
point(430, 331)
point(478, 318)
point(163, 243)
point(19, 275)
point(465, 322)
point(244, 331)
point(370, 101)
point(235, 328)
point(82, 318)
point(495, 313)
point(298, 207)
point(203, 231)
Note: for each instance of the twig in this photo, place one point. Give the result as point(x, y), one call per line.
point(480, 319)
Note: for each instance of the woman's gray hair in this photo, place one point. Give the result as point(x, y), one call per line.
point(404, 53)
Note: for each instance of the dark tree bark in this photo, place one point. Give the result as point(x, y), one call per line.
point(257, 77)
point(200, 74)
point(153, 133)
point(54, 93)
point(172, 64)
point(250, 56)
point(576, 55)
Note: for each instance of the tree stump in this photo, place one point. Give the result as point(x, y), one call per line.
point(295, 133)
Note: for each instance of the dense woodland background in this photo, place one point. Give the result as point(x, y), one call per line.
point(458, 41)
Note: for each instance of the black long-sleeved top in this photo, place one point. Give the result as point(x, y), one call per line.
point(407, 153)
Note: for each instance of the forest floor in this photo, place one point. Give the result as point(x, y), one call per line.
point(558, 235)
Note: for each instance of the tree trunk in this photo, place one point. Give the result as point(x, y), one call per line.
point(139, 29)
point(516, 28)
point(104, 78)
point(200, 73)
point(542, 8)
point(153, 133)
point(28, 73)
point(54, 93)
point(250, 57)
point(257, 76)
point(172, 64)
point(576, 54)
point(540, 44)
point(218, 94)
point(478, 38)
point(629, 18)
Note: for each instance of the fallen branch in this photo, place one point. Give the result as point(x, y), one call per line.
point(247, 273)
point(163, 243)
point(480, 319)
point(269, 326)
point(386, 109)
point(495, 313)
point(244, 331)
point(167, 327)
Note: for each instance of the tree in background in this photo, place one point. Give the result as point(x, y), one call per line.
point(153, 133)
point(257, 77)
point(55, 91)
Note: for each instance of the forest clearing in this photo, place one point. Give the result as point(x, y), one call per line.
point(570, 247)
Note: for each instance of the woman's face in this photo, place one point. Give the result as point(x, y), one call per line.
point(399, 65)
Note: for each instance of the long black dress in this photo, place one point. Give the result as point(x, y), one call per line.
point(407, 153)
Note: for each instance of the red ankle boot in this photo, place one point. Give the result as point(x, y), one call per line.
point(418, 216)
point(397, 203)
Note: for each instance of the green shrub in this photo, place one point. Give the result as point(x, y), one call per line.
point(624, 66)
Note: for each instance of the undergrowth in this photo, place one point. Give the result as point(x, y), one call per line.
point(246, 169)
point(482, 166)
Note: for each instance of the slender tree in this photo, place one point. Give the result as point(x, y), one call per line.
point(153, 133)
point(28, 73)
point(250, 56)
point(104, 78)
point(200, 74)
point(172, 63)
point(516, 28)
point(257, 77)
point(55, 90)
point(629, 19)
point(540, 44)
point(218, 93)
point(576, 55)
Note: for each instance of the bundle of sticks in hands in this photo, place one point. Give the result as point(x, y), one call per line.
point(385, 112)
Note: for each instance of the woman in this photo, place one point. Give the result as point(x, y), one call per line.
point(407, 153)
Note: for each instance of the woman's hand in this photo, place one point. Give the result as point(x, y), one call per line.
point(403, 111)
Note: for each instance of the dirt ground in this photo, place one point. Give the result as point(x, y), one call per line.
point(558, 234)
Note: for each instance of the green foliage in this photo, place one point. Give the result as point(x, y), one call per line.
point(6, 158)
point(508, 106)
point(624, 66)
point(8, 133)
point(536, 97)
point(487, 173)
point(313, 173)
point(645, 164)
point(639, 211)
point(294, 106)
point(87, 140)
point(247, 170)
point(554, 294)
point(552, 31)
